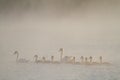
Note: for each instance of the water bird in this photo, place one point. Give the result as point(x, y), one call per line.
point(100, 59)
point(36, 59)
point(90, 59)
point(52, 59)
point(61, 53)
point(21, 60)
point(82, 59)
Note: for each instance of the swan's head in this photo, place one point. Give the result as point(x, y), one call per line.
point(16, 52)
point(36, 56)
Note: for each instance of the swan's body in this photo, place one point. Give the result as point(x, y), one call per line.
point(22, 60)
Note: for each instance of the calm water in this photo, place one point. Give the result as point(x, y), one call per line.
point(31, 71)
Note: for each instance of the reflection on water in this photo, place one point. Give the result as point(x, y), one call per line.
point(32, 71)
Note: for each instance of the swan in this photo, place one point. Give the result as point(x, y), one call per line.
point(21, 60)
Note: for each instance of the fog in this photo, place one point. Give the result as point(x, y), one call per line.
point(81, 27)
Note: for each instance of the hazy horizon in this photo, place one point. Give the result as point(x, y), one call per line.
point(81, 27)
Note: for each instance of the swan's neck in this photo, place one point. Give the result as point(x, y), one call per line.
point(36, 59)
point(17, 57)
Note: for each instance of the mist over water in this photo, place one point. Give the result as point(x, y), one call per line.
point(81, 27)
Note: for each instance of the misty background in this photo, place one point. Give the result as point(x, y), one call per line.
point(81, 27)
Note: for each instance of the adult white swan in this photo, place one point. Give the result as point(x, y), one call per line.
point(21, 60)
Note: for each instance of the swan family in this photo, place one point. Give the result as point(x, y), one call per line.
point(63, 59)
